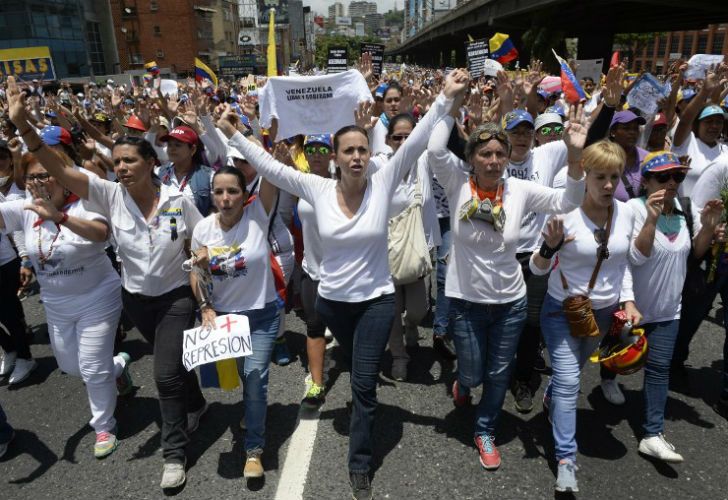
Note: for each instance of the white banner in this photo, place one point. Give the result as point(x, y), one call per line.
point(231, 339)
point(591, 68)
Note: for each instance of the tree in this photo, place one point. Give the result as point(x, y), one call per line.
point(352, 45)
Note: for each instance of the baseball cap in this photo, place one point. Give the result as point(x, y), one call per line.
point(324, 139)
point(659, 161)
point(514, 118)
point(51, 114)
point(711, 110)
point(164, 122)
point(101, 117)
point(55, 135)
point(381, 89)
point(556, 109)
point(182, 133)
point(626, 117)
point(660, 119)
point(546, 118)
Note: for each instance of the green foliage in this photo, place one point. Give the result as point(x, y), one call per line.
point(352, 45)
point(394, 17)
point(636, 41)
point(538, 42)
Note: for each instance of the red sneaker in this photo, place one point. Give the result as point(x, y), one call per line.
point(458, 398)
point(489, 455)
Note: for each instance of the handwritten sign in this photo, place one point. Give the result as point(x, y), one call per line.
point(231, 339)
point(377, 52)
point(645, 93)
point(336, 60)
point(699, 64)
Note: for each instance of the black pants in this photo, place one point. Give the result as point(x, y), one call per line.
point(11, 311)
point(530, 341)
point(161, 321)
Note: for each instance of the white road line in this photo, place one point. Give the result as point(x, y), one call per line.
point(298, 457)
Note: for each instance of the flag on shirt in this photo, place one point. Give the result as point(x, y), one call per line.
point(502, 49)
point(272, 63)
point(152, 68)
point(569, 84)
point(203, 72)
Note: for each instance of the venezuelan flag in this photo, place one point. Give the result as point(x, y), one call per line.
point(152, 68)
point(221, 374)
point(203, 72)
point(148, 77)
point(569, 84)
point(502, 49)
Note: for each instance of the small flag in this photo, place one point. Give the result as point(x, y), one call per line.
point(203, 72)
point(152, 68)
point(615, 59)
point(148, 77)
point(569, 84)
point(502, 49)
point(272, 63)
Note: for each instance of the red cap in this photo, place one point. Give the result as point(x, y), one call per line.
point(183, 134)
point(660, 119)
point(135, 123)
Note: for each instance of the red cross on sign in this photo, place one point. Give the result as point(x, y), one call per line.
point(228, 324)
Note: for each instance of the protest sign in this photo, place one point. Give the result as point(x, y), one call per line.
point(237, 66)
point(27, 63)
point(231, 339)
point(337, 59)
point(591, 68)
point(645, 93)
point(477, 52)
point(699, 64)
point(168, 88)
point(377, 52)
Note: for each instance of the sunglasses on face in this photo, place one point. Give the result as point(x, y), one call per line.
point(664, 177)
point(556, 129)
point(399, 138)
point(600, 236)
point(37, 177)
point(321, 150)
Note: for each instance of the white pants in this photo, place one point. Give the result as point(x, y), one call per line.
point(82, 339)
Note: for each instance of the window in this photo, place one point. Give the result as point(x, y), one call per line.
point(153, 5)
point(662, 45)
point(718, 41)
point(702, 44)
point(95, 48)
point(688, 45)
point(135, 58)
point(157, 31)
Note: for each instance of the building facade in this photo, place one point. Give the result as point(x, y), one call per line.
point(336, 10)
point(362, 8)
point(225, 28)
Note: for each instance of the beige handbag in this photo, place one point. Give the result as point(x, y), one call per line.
point(409, 256)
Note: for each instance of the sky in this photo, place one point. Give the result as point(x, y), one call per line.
point(322, 6)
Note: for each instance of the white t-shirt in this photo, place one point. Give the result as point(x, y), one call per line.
point(658, 279)
point(710, 182)
point(312, 245)
point(7, 253)
point(75, 266)
point(151, 260)
point(483, 266)
point(378, 139)
point(702, 157)
point(576, 259)
point(239, 260)
point(540, 167)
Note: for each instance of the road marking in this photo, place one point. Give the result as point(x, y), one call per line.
point(298, 458)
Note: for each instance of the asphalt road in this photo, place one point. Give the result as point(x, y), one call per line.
point(424, 445)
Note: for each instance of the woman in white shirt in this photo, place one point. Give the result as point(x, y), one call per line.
point(391, 99)
point(661, 244)
point(235, 241)
point(79, 288)
point(356, 294)
point(484, 280)
point(600, 230)
point(151, 223)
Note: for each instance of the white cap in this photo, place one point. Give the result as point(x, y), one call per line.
point(546, 118)
point(491, 67)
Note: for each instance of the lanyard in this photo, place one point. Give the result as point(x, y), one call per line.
point(168, 176)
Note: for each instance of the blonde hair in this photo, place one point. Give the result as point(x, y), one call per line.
point(604, 155)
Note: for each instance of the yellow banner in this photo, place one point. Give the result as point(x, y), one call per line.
point(27, 63)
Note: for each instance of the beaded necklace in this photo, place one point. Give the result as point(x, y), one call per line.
point(43, 258)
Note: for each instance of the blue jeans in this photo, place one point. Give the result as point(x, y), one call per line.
point(661, 341)
point(362, 330)
point(253, 371)
point(6, 431)
point(568, 355)
point(442, 303)
point(486, 339)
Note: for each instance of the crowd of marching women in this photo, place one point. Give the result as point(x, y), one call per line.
point(567, 223)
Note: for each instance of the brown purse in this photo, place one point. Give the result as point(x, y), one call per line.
point(578, 308)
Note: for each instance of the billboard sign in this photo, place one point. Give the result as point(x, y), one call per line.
point(27, 63)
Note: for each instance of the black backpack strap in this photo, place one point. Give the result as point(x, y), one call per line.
point(687, 211)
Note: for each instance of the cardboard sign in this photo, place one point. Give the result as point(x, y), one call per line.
point(337, 60)
point(476, 52)
point(377, 52)
point(699, 64)
point(27, 63)
point(231, 339)
point(645, 93)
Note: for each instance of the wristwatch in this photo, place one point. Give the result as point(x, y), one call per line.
point(26, 263)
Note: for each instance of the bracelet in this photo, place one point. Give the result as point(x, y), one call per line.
point(35, 148)
point(547, 252)
point(64, 219)
point(203, 305)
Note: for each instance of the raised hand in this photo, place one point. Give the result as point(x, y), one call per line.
point(41, 203)
point(363, 115)
point(456, 83)
point(711, 214)
point(365, 66)
point(228, 121)
point(575, 133)
point(612, 91)
point(16, 105)
point(283, 154)
point(553, 234)
point(654, 204)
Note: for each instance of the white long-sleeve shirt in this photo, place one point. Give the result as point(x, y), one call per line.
point(354, 265)
point(483, 266)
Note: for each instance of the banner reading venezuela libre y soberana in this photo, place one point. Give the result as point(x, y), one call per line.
point(27, 63)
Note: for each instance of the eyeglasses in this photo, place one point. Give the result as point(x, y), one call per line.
point(556, 129)
point(37, 177)
point(664, 177)
point(600, 236)
point(399, 138)
point(321, 150)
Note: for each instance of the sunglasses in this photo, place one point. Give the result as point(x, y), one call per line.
point(487, 136)
point(556, 129)
point(399, 138)
point(321, 150)
point(664, 177)
point(37, 177)
point(600, 236)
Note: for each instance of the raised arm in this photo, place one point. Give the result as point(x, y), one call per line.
point(690, 113)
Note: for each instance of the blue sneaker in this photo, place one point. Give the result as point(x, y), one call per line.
point(281, 355)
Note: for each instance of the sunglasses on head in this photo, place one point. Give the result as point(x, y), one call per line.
point(312, 150)
point(663, 177)
point(600, 236)
point(498, 136)
point(556, 129)
point(399, 137)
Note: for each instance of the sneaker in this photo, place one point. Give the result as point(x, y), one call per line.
point(566, 478)
point(173, 475)
point(490, 457)
point(124, 384)
point(361, 487)
point(523, 397)
point(539, 363)
point(612, 392)
point(314, 397)
point(105, 445)
point(253, 465)
point(658, 447)
point(281, 355)
point(7, 363)
point(4, 446)
point(23, 369)
point(459, 397)
point(547, 407)
point(193, 418)
point(399, 369)
point(444, 347)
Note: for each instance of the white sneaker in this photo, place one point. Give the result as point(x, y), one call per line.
point(173, 475)
point(658, 447)
point(7, 363)
point(23, 369)
point(612, 392)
